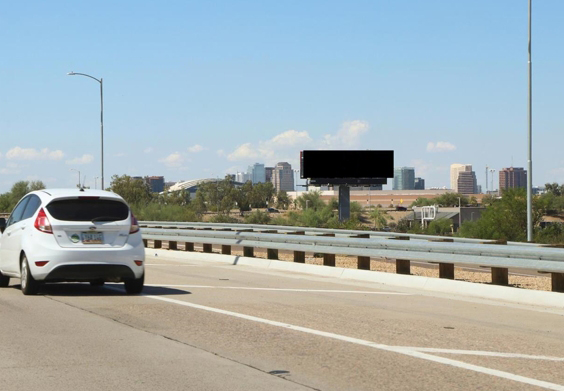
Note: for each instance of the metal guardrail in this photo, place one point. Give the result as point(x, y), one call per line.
point(364, 245)
point(341, 232)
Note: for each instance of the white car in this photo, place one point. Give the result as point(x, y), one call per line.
point(57, 235)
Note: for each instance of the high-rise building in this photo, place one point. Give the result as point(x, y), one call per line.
point(283, 177)
point(404, 178)
point(466, 183)
point(242, 177)
point(156, 183)
point(512, 177)
point(257, 173)
point(419, 184)
point(455, 169)
point(268, 171)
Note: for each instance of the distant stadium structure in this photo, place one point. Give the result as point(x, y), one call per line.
point(192, 185)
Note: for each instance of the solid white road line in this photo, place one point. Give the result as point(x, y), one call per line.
point(277, 289)
point(394, 349)
point(482, 353)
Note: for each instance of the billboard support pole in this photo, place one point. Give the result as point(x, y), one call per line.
point(344, 203)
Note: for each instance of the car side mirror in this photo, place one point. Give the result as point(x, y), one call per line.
point(2, 224)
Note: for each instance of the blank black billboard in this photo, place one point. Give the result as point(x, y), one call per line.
point(347, 164)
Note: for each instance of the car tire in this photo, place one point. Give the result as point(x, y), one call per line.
point(134, 286)
point(29, 285)
point(4, 280)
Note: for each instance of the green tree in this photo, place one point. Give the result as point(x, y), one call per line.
point(311, 200)
point(19, 189)
point(282, 200)
point(505, 219)
point(378, 216)
point(440, 227)
point(133, 191)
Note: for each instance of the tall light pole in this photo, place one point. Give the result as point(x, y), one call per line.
point(530, 137)
point(74, 169)
point(101, 117)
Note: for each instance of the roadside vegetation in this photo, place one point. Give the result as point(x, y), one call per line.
point(503, 219)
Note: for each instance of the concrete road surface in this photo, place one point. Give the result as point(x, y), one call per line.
point(211, 326)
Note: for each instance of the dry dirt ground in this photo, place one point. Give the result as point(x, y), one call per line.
point(540, 282)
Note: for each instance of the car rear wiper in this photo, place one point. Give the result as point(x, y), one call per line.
point(104, 218)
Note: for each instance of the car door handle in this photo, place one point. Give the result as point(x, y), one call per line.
point(23, 228)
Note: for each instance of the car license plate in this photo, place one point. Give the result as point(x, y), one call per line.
point(92, 237)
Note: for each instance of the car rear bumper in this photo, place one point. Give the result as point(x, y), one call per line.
point(90, 272)
point(65, 264)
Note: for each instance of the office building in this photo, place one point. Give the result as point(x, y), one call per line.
point(404, 178)
point(283, 177)
point(466, 183)
point(512, 177)
point(419, 184)
point(242, 177)
point(268, 171)
point(257, 173)
point(156, 183)
point(455, 169)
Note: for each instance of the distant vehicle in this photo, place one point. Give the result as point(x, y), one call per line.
point(273, 210)
point(60, 235)
point(401, 208)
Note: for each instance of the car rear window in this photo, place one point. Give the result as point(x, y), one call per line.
point(88, 210)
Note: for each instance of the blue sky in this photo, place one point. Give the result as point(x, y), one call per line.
point(198, 89)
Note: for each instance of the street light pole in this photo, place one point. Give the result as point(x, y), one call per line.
point(74, 169)
point(530, 137)
point(101, 81)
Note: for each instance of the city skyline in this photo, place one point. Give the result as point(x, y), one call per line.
point(196, 90)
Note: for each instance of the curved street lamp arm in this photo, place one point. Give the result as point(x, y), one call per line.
point(83, 74)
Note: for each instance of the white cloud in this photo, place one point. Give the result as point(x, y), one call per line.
point(196, 148)
point(220, 152)
point(243, 152)
point(85, 159)
point(18, 153)
point(440, 146)
point(9, 171)
point(348, 136)
point(290, 138)
point(120, 154)
point(173, 160)
point(148, 150)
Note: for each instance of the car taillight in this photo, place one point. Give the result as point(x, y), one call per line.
point(134, 225)
point(42, 222)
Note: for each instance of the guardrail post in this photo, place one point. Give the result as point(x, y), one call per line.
point(363, 263)
point(500, 276)
point(188, 246)
point(299, 256)
point(403, 266)
point(157, 244)
point(207, 247)
point(446, 270)
point(557, 282)
point(247, 251)
point(172, 245)
point(329, 259)
point(145, 243)
point(271, 253)
point(226, 249)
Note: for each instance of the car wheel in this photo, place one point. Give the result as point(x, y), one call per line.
point(29, 285)
point(134, 286)
point(4, 280)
